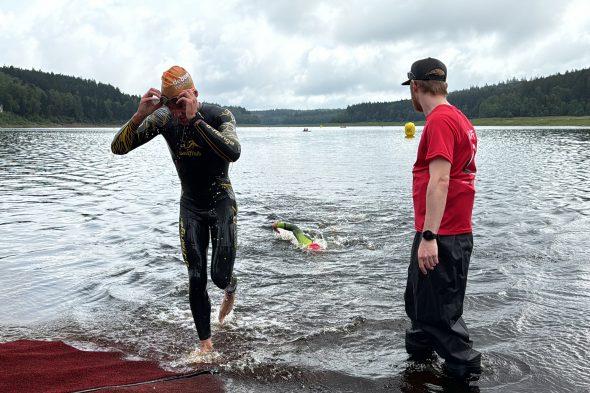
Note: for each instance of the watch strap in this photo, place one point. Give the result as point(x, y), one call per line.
point(429, 235)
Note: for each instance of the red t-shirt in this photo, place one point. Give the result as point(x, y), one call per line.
point(447, 134)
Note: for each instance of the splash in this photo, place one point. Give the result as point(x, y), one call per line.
point(321, 242)
point(199, 357)
point(283, 234)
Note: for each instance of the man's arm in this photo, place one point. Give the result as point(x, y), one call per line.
point(301, 237)
point(126, 139)
point(224, 142)
point(131, 135)
point(436, 200)
point(143, 126)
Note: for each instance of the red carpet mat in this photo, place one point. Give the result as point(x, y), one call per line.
point(52, 367)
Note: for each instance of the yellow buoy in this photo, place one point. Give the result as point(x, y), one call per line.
point(410, 129)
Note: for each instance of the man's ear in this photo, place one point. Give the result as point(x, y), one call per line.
point(196, 92)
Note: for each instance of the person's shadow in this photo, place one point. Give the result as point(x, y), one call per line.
point(427, 376)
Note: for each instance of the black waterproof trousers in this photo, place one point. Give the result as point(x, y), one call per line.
point(434, 304)
point(196, 226)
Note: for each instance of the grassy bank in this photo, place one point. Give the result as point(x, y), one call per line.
point(579, 121)
point(556, 121)
point(10, 120)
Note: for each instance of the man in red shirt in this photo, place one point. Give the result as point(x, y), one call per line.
point(443, 193)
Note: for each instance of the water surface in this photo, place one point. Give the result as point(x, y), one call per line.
point(90, 255)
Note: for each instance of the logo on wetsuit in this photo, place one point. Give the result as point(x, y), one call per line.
point(190, 149)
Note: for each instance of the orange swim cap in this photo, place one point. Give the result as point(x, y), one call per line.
point(175, 80)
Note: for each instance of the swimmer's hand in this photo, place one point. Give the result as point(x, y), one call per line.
point(274, 227)
point(149, 102)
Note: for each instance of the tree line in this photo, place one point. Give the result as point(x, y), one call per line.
point(53, 98)
point(557, 95)
point(37, 96)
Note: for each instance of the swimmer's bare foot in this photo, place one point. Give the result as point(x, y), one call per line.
point(226, 306)
point(206, 345)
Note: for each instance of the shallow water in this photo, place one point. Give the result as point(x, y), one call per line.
point(90, 255)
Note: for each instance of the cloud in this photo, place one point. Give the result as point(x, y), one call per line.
point(263, 54)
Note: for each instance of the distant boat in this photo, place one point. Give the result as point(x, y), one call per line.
point(306, 129)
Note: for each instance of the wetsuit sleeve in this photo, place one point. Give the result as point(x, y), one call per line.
point(299, 235)
point(286, 226)
point(131, 135)
point(223, 141)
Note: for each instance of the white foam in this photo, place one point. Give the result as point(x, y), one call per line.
point(199, 357)
point(283, 234)
point(322, 242)
point(177, 316)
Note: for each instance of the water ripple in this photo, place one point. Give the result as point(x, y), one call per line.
point(91, 255)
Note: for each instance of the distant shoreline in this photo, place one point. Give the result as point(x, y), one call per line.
point(561, 121)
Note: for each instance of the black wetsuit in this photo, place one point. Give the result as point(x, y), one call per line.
point(201, 153)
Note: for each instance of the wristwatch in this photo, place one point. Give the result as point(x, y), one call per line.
point(428, 235)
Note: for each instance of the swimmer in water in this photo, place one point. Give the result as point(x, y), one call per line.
point(302, 239)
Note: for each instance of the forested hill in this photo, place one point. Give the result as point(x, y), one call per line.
point(41, 97)
point(30, 96)
point(557, 95)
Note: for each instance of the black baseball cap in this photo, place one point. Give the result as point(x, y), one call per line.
point(422, 71)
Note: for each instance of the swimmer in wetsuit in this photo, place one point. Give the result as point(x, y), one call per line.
point(302, 239)
point(202, 141)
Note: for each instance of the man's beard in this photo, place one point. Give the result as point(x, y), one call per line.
point(416, 103)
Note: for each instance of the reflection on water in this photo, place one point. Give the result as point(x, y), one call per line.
point(90, 255)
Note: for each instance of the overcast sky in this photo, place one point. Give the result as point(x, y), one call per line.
point(298, 54)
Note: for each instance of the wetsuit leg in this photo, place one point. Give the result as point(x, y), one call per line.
point(194, 240)
point(434, 303)
point(223, 221)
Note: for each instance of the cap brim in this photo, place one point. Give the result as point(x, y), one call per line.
point(406, 82)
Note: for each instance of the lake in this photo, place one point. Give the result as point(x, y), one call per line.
point(90, 255)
